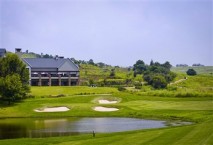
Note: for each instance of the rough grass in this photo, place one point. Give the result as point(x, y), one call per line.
point(193, 86)
point(88, 72)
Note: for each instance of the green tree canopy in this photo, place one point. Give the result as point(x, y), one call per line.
point(139, 67)
point(159, 81)
point(156, 74)
point(11, 64)
point(14, 78)
point(91, 62)
point(112, 73)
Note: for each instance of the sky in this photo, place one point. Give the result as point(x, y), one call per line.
point(116, 32)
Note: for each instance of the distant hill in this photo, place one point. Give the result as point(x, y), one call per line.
point(198, 69)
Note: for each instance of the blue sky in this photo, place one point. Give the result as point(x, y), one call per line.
point(116, 32)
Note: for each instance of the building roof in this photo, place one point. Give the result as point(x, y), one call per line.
point(48, 63)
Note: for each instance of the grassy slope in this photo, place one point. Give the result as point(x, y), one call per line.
point(91, 72)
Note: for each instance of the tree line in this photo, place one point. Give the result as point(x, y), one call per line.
point(155, 74)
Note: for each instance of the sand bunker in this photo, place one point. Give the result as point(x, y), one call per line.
point(107, 102)
point(52, 109)
point(105, 109)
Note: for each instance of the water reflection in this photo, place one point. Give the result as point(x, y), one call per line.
point(19, 128)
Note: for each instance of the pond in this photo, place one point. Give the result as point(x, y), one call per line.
point(39, 128)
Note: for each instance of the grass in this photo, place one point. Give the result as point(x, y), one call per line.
point(145, 103)
point(95, 72)
point(199, 70)
point(198, 110)
point(76, 90)
point(193, 86)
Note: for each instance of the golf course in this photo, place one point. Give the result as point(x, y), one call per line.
point(190, 100)
point(106, 72)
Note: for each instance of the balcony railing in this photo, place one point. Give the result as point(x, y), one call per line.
point(36, 75)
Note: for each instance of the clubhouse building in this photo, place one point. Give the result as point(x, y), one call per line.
point(56, 71)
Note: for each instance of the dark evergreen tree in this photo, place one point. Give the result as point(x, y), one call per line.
point(139, 67)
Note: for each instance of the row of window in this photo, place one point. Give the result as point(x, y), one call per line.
point(54, 75)
point(53, 83)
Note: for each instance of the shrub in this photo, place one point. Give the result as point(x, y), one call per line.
point(120, 88)
point(85, 83)
point(111, 82)
point(159, 82)
point(138, 87)
point(191, 72)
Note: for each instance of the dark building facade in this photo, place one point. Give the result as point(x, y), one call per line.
point(52, 71)
point(2, 52)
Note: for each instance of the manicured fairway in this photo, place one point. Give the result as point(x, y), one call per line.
point(81, 100)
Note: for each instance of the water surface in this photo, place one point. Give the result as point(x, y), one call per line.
point(31, 127)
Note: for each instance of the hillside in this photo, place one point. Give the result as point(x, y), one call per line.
point(198, 69)
point(95, 74)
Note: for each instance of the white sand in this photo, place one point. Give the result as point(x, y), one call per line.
point(105, 109)
point(53, 109)
point(107, 102)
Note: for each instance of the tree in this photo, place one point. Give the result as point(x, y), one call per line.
point(148, 78)
point(91, 62)
point(151, 62)
point(167, 65)
point(170, 76)
point(112, 73)
point(158, 75)
point(139, 67)
point(75, 61)
point(91, 82)
point(12, 64)
point(47, 56)
point(101, 64)
point(191, 72)
point(11, 88)
point(14, 78)
point(159, 82)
